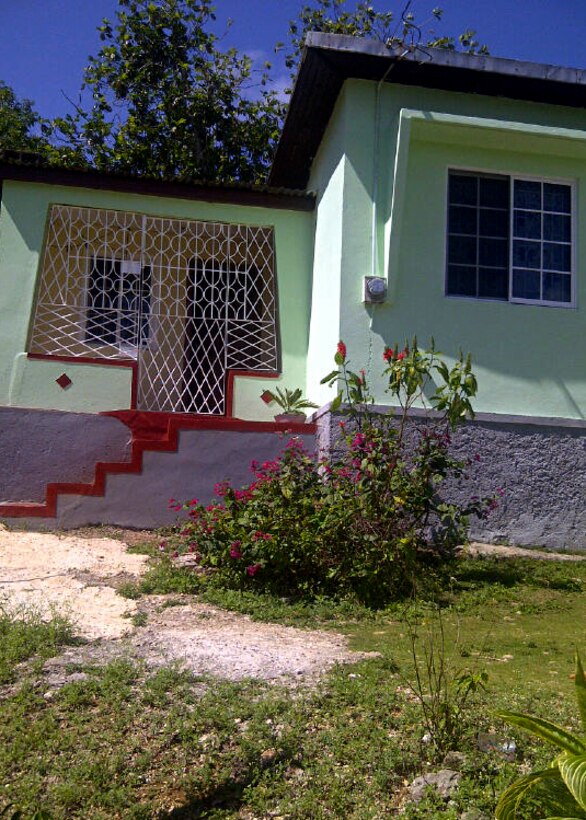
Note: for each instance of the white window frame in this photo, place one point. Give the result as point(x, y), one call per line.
point(570, 183)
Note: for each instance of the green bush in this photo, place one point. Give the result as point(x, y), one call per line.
point(361, 521)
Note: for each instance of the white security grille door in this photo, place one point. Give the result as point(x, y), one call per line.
point(187, 299)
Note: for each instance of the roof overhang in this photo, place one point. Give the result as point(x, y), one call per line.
point(328, 60)
point(24, 167)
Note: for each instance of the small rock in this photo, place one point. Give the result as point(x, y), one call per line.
point(445, 783)
point(267, 757)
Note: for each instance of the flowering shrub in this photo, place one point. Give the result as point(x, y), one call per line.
point(362, 521)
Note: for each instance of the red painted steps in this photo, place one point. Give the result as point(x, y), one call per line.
point(150, 432)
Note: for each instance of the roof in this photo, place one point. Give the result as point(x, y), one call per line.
point(23, 166)
point(330, 59)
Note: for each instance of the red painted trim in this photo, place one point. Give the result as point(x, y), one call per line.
point(95, 360)
point(165, 428)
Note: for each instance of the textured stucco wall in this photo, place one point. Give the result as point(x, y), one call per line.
point(539, 464)
point(40, 446)
point(530, 359)
point(23, 214)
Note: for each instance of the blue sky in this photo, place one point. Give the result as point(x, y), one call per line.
point(46, 43)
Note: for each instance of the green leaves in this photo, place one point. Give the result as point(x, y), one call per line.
point(562, 788)
point(546, 730)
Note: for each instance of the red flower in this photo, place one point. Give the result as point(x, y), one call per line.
point(253, 569)
point(388, 354)
point(235, 551)
point(401, 356)
point(342, 350)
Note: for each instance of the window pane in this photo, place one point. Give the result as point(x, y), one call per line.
point(462, 249)
point(526, 254)
point(557, 228)
point(557, 198)
point(556, 257)
point(526, 284)
point(493, 283)
point(557, 287)
point(527, 224)
point(463, 189)
point(461, 281)
point(494, 223)
point(527, 194)
point(494, 192)
point(493, 252)
point(462, 220)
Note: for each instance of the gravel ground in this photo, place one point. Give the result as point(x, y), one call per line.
point(77, 575)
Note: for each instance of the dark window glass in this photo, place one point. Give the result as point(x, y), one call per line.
point(526, 254)
point(557, 287)
point(462, 250)
point(557, 228)
point(461, 280)
point(493, 252)
point(463, 220)
point(494, 223)
point(493, 283)
point(527, 194)
point(463, 189)
point(526, 284)
point(557, 198)
point(556, 257)
point(494, 192)
point(527, 224)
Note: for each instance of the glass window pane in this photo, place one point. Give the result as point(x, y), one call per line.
point(527, 224)
point(463, 189)
point(493, 252)
point(556, 257)
point(462, 250)
point(494, 192)
point(526, 284)
point(462, 220)
point(493, 283)
point(494, 223)
point(557, 228)
point(526, 254)
point(557, 287)
point(557, 198)
point(461, 281)
point(527, 194)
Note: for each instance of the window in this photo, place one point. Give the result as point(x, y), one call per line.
point(119, 295)
point(509, 238)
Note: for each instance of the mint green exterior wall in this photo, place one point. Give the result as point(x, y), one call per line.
point(530, 360)
point(31, 383)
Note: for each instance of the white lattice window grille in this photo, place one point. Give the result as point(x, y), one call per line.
point(187, 299)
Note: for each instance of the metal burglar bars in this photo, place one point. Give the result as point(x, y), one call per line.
point(186, 299)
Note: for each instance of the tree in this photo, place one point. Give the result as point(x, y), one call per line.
point(18, 121)
point(162, 99)
point(363, 20)
point(166, 101)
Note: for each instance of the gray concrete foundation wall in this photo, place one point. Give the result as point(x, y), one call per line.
point(42, 446)
point(540, 464)
point(203, 458)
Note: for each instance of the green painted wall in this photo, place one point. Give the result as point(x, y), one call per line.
point(28, 383)
point(530, 360)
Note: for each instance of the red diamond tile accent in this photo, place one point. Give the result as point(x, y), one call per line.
point(267, 396)
point(64, 381)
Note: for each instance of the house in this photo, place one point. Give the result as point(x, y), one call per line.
point(142, 320)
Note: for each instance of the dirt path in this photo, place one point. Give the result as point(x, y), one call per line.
point(77, 575)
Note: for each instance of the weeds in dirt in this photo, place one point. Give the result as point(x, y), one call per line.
point(24, 635)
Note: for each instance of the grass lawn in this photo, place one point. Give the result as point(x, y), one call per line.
point(126, 743)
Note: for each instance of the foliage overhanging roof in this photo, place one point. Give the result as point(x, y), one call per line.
point(330, 59)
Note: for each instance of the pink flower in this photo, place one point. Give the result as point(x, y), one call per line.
point(400, 356)
point(253, 569)
point(235, 551)
point(341, 350)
